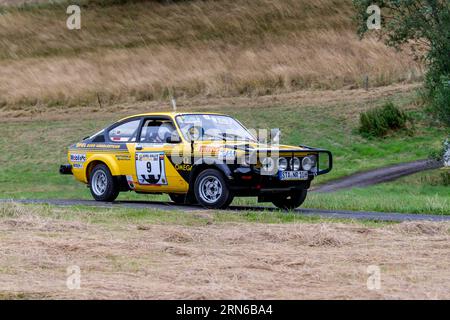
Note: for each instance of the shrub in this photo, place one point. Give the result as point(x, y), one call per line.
point(379, 121)
point(440, 103)
point(421, 24)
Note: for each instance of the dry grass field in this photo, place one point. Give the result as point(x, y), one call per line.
point(147, 51)
point(209, 259)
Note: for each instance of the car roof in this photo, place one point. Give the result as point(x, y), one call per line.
point(170, 114)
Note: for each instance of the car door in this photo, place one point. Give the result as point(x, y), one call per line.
point(154, 171)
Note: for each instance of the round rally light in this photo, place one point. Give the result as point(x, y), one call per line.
point(308, 162)
point(282, 164)
point(268, 164)
point(295, 164)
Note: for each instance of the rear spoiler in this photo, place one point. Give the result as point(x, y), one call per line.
point(319, 151)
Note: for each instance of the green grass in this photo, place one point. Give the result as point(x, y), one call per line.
point(425, 193)
point(324, 128)
point(420, 193)
point(31, 152)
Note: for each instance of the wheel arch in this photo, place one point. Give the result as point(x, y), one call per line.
point(112, 165)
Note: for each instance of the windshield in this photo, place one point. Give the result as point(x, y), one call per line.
point(213, 127)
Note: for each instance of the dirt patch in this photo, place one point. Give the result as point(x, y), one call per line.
point(225, 261)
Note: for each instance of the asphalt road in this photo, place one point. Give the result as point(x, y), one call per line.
point(379, 175)
point(340, 214)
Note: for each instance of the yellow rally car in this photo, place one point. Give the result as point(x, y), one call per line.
point(194, 157)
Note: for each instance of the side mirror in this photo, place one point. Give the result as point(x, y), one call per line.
point(173, 138)
point(275, 136)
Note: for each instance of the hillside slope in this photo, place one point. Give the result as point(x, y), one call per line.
point(143, 50)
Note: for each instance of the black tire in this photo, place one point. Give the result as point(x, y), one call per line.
point(177, 198)
point(107, 192)
point(219, 192)
point(291, 200)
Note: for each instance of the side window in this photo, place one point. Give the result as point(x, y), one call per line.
point(99, 138)
point(125, 132)
point(157, 131)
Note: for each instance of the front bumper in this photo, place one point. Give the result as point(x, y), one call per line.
point(65, 169)
point(248, 181)
point(253, 184)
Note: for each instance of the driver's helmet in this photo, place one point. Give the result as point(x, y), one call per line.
point(165, 131)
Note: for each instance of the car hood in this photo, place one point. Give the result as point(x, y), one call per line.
point(247, 146)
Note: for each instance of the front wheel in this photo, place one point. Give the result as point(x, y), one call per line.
point(103, 185)
point(211, 190)
point(290, 201)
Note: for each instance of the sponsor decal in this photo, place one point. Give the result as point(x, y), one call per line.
point(82, 145)
point(183, 167)
point(123, 157)
point(209, 149)
point(77, 166)
point(226, 154)
point(77, 157)
point(153, 145)
point(150, 168)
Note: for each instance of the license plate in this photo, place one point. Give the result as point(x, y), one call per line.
point(293, 175)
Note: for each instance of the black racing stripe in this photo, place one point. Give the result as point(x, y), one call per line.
point(185, 174)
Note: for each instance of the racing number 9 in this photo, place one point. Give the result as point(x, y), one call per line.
point(149, 167)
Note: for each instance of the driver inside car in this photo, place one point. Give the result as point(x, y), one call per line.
point(157, 132)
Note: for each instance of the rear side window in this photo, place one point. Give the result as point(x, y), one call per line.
point(99, 138)
point(125, 132)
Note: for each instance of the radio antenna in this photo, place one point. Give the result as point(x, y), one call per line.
point(174, 103)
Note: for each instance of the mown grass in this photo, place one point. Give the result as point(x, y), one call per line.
point(113, 217)
point(31, 152)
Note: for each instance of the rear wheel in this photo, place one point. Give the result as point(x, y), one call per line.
point(103, 185)
point(291, 200)
point(211, 190)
